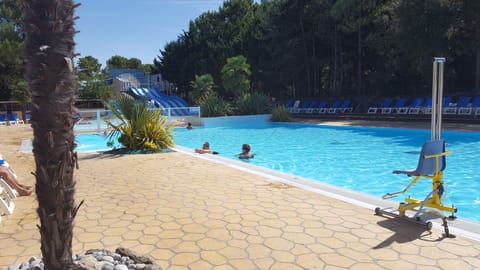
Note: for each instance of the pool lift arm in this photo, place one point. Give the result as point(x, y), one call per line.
point(433, 200)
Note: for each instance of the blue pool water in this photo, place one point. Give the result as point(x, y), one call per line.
point(357, 158)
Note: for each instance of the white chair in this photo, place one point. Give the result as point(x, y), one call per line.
point(7, 194)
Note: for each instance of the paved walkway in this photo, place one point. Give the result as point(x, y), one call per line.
point(190, 213)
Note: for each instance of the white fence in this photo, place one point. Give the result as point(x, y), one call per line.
point(94, 120)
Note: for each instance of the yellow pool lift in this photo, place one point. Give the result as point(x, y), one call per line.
point(431, 164)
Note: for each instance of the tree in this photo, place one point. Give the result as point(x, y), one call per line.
point(49, 52)
point(88, 68)
point(235, 76)
point(21, 94)
point(121, 62)
point(117, 61)
point(202, 87)
point(92, 83)
point(11, 47)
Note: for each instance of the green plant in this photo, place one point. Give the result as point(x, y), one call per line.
point(140, 128)
point(203, 86)
point(214, 105)
point(256, 103)
point(281, 114)
point(235, 75)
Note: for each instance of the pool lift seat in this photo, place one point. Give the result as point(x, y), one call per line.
point(431, 164)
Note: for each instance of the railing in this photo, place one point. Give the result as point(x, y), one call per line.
point(95, 120)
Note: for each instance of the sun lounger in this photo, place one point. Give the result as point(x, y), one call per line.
point(301, 107)
point(295, 106)
point(385, 104)
point(406, 109)
point(427, 107)
point(345, 106)
point(333, 108)
point(3, 120)
point(6, 198)
point(471, 107)
point(313, 106)
point(288, 104)
point(399, 104)
point(415, 106)
point(12, 192)
point(307, 106)
point(448, 107)
point(322, 107)
point(13, 119)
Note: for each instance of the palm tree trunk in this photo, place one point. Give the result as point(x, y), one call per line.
point(49, 51)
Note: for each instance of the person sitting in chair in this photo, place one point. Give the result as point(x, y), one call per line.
point(245, 152)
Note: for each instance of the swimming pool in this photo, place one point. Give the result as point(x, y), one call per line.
point(357, 158)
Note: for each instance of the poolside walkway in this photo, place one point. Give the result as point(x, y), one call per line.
point(190, 213)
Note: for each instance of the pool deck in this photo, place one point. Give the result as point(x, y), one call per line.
point(191, 211)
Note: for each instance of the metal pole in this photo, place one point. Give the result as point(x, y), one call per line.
point(434, 101)
point(98, 121)
point(440, 98)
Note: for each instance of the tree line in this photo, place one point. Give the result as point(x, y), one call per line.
point(300, 48)
point(89, 71)
point(329, 48)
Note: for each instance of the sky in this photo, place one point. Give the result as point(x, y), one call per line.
point(133, 28)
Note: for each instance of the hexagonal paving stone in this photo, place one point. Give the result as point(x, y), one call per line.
point(211, 244)
point(185, 258)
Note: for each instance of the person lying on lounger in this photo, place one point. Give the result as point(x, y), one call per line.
point(6, 174)
point(205, 149)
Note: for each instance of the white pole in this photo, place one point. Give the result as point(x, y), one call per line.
point(98, 122)
point(434, 101)
point(440, 97)
point(437, 97)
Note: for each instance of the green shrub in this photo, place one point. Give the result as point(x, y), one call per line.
point(281, 114)
point(140, 128)
point(256, 103)
point(213, 105)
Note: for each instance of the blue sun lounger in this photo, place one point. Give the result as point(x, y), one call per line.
point(333, 108)
point(399, 104)
point(415, 106)
point(385, 104)
point(470, 107)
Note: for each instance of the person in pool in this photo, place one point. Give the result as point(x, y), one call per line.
point(245, 152)
point(189, 126)
point(205, 149)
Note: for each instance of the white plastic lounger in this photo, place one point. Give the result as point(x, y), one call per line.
point(385, 104)
point(469, 108)
point(334, 107)
point(6, 200)
point(400, 103)
point(448, 107)
point(415, 106)
point(295, 106)
point(462, 102)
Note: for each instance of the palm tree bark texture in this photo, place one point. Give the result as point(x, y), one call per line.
point(49, 51)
